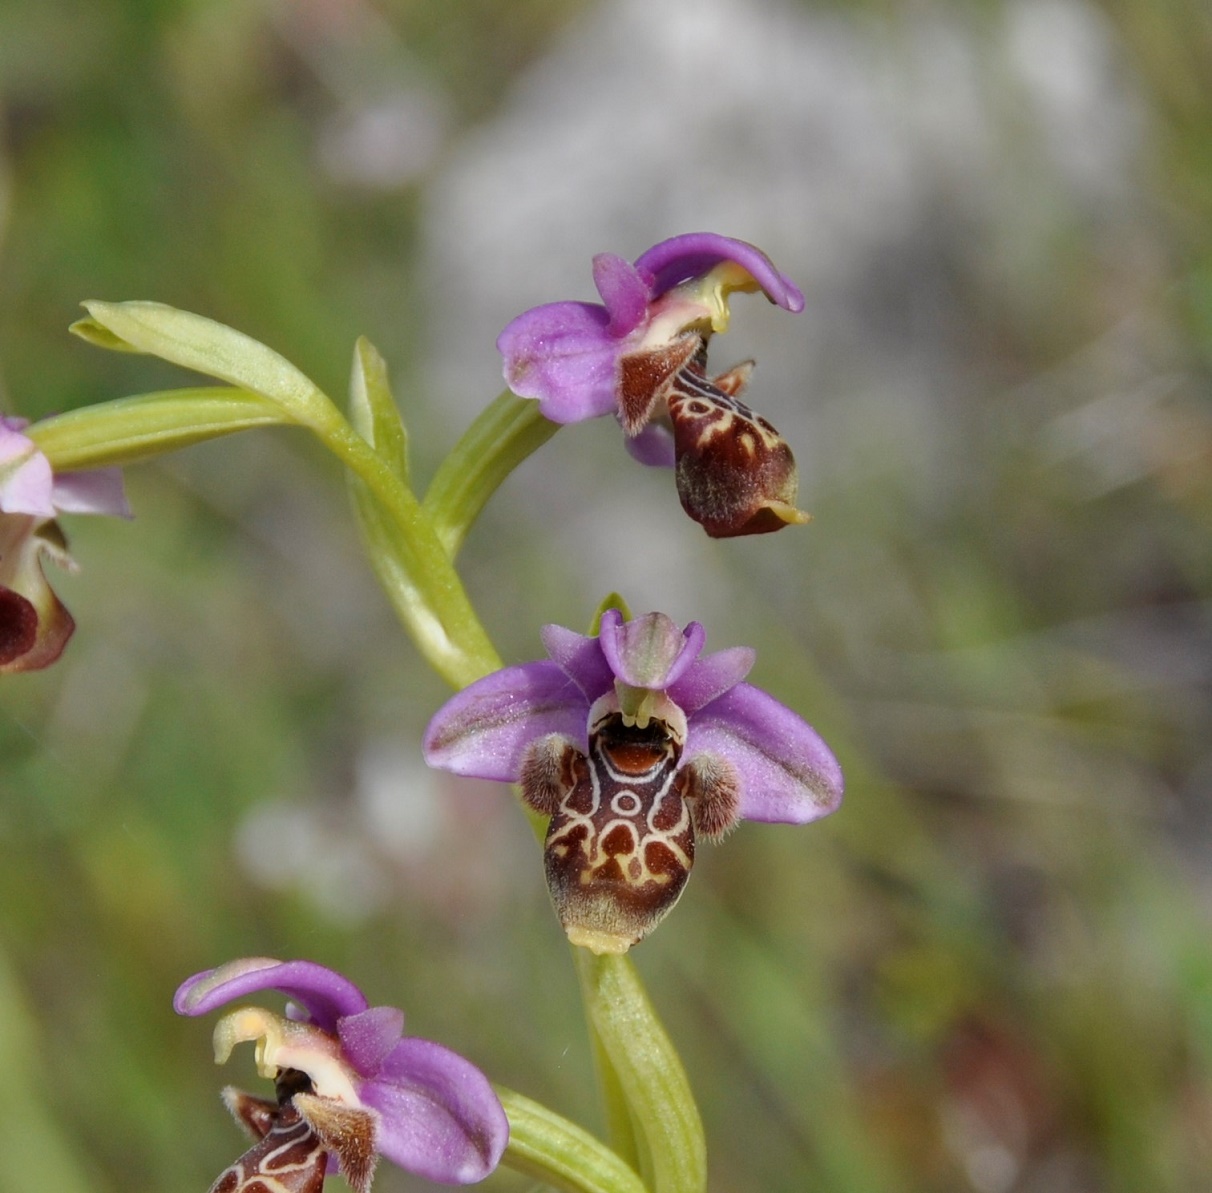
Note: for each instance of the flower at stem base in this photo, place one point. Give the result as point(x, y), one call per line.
point(349, 1086)
point(34, 625)
point(642, 355)
point(634, 745)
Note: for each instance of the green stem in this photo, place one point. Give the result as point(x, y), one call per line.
point(561, 1154)
point(649, 1072)
point(432, 600)
point(620, 1129)
point(506, 432)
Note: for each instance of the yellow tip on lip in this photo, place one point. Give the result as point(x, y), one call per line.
point(788, 513)
point(598, 943)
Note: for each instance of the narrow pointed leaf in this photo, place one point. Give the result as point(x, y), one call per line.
point(373, 410)
point(201, 344)
point(93, 333)
point(424, 589)
point(561, 1154)
point(137, 428)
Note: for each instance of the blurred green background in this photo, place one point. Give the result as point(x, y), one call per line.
point(992, 970)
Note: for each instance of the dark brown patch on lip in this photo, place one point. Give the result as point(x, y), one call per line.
point(18, 625)
point(735, 473)
point(621, 845)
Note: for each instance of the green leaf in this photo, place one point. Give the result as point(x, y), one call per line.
point(416, 571)
point(561, 1154)
point(373, 410)
point(201, 344)
point(412, 562)
point(129, 429)
point(649, 1073)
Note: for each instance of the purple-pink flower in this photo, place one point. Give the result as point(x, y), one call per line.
point(350, 1086)
point(642, 355)
point(633, 742)
point(34, 625)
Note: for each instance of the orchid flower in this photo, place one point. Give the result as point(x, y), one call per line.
point(350, 1086)
point(642, 356)
point(34, 625)
point(633, 744)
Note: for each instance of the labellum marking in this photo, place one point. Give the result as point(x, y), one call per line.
point(294, 1137)
point(620, 844)
point(288, 1158)
point(735, 473)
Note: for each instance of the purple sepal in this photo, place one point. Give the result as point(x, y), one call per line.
point(368, 1037)
point(788, 774)
point(439, 1116)
point(710, 677)
point(28, 484)
point(484, 730)
point(563, 354)
point(34, 625)
point(696, 254)
point(322, 992)
point(653, 446)
point(580, 658)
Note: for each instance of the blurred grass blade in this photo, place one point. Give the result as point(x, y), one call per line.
point(35, 1151)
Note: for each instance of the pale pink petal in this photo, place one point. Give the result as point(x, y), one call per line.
point(97, 492)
